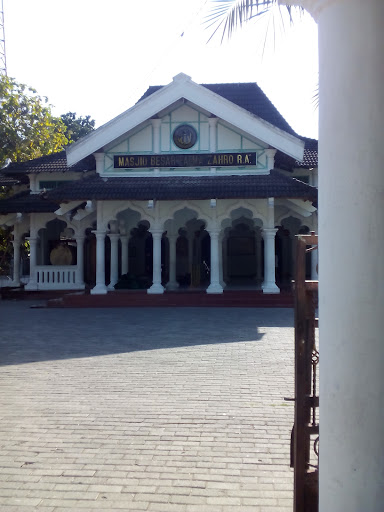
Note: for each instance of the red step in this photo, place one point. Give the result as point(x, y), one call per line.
point(140, 298)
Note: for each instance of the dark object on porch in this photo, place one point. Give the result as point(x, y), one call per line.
point(130, 282)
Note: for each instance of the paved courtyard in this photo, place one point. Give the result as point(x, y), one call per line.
point(145, 409)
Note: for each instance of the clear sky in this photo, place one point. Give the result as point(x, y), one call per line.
point(98, 57)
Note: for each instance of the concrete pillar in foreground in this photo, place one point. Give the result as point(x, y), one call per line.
point(100, 288)
point(156, 287)
point(351, 191)
point(351, 269)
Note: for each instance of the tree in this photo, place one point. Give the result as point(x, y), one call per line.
point(228, 15)
point(27, 127)
point(77, 127)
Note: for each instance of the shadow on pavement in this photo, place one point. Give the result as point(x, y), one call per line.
point(30, 335)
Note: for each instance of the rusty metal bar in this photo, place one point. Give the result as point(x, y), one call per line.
point(305, 426)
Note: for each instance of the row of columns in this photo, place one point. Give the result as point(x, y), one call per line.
point(217, 274)
point(216, 267)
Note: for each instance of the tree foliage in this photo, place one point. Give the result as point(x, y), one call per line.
point(29, 130)
point(27, 127)
point(227, 15)
point(77, 127)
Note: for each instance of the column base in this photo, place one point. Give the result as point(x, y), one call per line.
point(174, 285)
point(31, 286)
point(270, 288)
point(111, 286)
point(215, 288)
point(156, 289)
point(99, 289)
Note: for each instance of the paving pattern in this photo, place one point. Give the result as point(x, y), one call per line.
point(145, 409)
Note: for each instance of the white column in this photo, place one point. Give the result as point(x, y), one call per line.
point(80, 260)
point(32, 283)
point(269, 284)
point(172, 283)
point(100, 288)
point(351, 185)
point(351, 270)
point(156, 287)
point(215, 286)
point(114, 275)
point(314, 262)
point(124, 254)
point(16, 260)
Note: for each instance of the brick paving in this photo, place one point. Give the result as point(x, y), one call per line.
point(145, 409)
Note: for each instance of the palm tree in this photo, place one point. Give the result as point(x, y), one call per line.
point(228, 15)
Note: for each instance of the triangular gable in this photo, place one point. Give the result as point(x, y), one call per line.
point(183, 87)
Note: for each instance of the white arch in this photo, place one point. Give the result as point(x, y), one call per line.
point(122, 206)
point(242, 203)
point(190, 206)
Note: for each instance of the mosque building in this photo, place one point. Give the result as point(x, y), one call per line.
point(195, 186)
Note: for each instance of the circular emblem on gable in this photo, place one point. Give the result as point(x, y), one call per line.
point(185, 136)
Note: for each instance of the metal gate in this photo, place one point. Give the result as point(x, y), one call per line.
point(305, 432)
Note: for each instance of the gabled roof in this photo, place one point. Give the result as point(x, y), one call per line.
point(248, 96)
point(191, 187)
point(182, 87)
point(55, 162)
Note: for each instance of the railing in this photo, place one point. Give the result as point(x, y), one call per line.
point(58, 277)
point(305, 434)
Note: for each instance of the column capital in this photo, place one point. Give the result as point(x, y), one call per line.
point(214, 233)
point(100, 235)
point(32, 239)
point(269, 232)
point(156, 233)
point(113, 236)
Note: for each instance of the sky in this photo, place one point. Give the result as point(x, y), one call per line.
point(97, 58)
